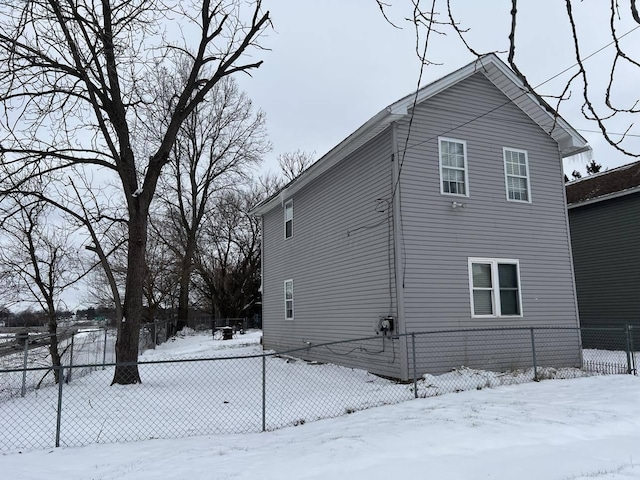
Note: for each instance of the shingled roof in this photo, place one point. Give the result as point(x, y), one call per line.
point(616, 182)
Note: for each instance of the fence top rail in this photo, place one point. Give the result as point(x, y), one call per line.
point(608, 328)
point(311, 346)
point(45, 330)
point(191, 360)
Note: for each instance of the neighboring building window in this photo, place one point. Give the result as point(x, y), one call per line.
point(288, 219)
point(516, 172)
point(495, 287)
point(288, 299)
point(453, 167)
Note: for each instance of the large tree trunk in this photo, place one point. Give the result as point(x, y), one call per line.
point(186, 267)
point(129, 326)
point(53, 343)
point(183, 299)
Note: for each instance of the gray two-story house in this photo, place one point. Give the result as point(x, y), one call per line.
point(445, 211)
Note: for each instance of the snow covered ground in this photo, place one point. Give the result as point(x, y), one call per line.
point(565, 429)
point(580, 429)
point(88, 348)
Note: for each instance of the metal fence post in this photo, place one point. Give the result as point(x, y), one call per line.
point(23, 391)
point(628, 348)
point(73, 336)
point(633, 352)
point(264, 393)
point(535, 360)
point(104, 352)
point(415, 373)
point(59, 414)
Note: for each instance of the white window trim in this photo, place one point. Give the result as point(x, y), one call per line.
point(466, 165)
point(495, 290)
point(506, 182)
point(290, 280)
point(286, 205)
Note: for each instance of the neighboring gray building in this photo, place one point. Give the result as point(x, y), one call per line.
point(604, 215)
point(449, 215)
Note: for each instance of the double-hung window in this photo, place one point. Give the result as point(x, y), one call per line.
point(288, 219)
point(454, 178)
point(288, 299)
point(495, 287)
point(516, 175)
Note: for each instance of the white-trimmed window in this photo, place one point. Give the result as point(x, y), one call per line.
point(288, 299)
point(454, 178)
point(495, 287)
point(516, 175)
point(288, 219)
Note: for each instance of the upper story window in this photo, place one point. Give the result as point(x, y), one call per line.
point(288, 299)
point(288, 219)
point(495, 287)
point(516, 173)
point(453, 167)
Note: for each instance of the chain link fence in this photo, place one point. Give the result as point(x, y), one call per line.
point(159, 331)
point(27, 354)
point(183, 397)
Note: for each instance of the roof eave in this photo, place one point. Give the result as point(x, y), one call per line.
point(570, 148)
point(570, 142)
point(374, 126)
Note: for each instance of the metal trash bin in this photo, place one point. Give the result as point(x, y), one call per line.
point(227, 333)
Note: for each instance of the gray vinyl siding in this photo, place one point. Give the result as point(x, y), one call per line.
point(342, 248)
point(339, 259)
point(606, 254)
point(438, 240)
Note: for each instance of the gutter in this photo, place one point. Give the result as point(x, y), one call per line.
point(609, 196)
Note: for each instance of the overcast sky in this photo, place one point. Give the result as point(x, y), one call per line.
point(333, 64)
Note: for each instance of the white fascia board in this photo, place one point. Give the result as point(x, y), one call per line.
point(428, 91)
point(569, 140)
point(362, 135)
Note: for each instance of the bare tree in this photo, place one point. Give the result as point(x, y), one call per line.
point(599, 105)
point(228, 257)
point(162, 279)
point(79, 81)
point(215, 148)
point(292, 164)
point(39, 263)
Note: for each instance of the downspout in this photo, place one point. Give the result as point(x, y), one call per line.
point(398, 253)
point(262, 278)
point(573, 273)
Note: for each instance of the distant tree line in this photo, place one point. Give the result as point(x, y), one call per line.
point(30, 318)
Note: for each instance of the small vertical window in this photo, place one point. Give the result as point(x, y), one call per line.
point(495, 287)
point(288, 299)
point(516, 172)
point(509, 291)
point(482, 289)
point(288, 219)
point(453, 167)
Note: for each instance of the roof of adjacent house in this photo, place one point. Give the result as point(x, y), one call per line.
point(570, 142)
point(604, 185)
